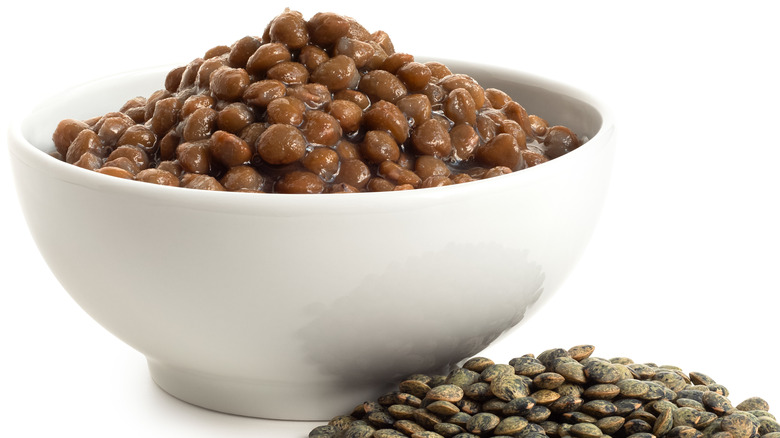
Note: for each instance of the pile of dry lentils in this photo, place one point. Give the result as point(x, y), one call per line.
point(313, 106)
point(559, 393)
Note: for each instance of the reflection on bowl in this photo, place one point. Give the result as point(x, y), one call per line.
point(295, 306)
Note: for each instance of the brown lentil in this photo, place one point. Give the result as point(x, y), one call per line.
point(86, 141)
point(194, 157)
point(267, 56)
point(115, 171)
point(138, 135)
point(322, 105)
point(288, 110)
point(299, 181)
point(133, 153)
point(199, 125)
point(89, 161)
point(379, 146)
point(348, 114)
point(195, 102)
point(259, 94)
point(321, 128)
point(281, 144)
point(243, 177)
point(122, 163)
point(209, 66)
point(229, 149)
point(314, 96)
point(312, 57)
point(235, 117)
point(157, 176)
point(242, 50)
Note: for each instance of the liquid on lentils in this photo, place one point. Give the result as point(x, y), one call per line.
point(313, 106)
point(538, 396)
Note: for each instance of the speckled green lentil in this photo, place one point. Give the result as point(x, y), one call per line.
point(578, 417)
point(632, 387)
point(388, 433)
point(426, 418)
point(689, 403)
point(642, 435)
point(599, 408)
point(571, 371)
point(478, 391)
point(637, 425)
point(548, 380)
point(401, 412)
point(527, 366)
point(716, 402)
point(415, 387)
point(462, 377)
point(495, 371)
point(545, 396)
point(767, 425)
point(408, 426)
point(483, 423)
point(426, 434)
point(478, 364)
point(447, 429)
point(324, 431)
point(642, 414)
point(511, 425)
point(508, 387)
point(547, 356)
point(562, 393)
point(627, 406)
point(494, 405)
point(664, 422)
point(585, 430)
point(538, 414)
point(700, 378)
point(602, 391)
point(460, 419)
point(443, 407)
point(740, 425)
point(683, 432)
point(753, 404)
point(359, 431)
point(447, 392)
point(642, 371)
point(610, 425)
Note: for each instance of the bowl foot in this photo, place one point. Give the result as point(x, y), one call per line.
point(270, 399)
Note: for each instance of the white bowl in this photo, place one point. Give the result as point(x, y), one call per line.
point(301, 306)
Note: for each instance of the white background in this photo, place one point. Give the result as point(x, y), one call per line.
point(682, 269)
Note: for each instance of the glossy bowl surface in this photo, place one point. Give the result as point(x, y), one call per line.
point(300, 306)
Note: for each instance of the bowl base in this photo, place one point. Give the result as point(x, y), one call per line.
point(262, 399)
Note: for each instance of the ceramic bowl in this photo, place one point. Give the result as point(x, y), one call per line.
point(300, 306)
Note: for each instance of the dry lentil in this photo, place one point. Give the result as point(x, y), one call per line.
point(487, 399)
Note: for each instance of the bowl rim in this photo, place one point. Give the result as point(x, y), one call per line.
point(285, 204)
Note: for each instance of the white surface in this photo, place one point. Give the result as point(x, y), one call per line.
point(682, 269)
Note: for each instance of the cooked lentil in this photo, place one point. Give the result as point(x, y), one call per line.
point(275, 102)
